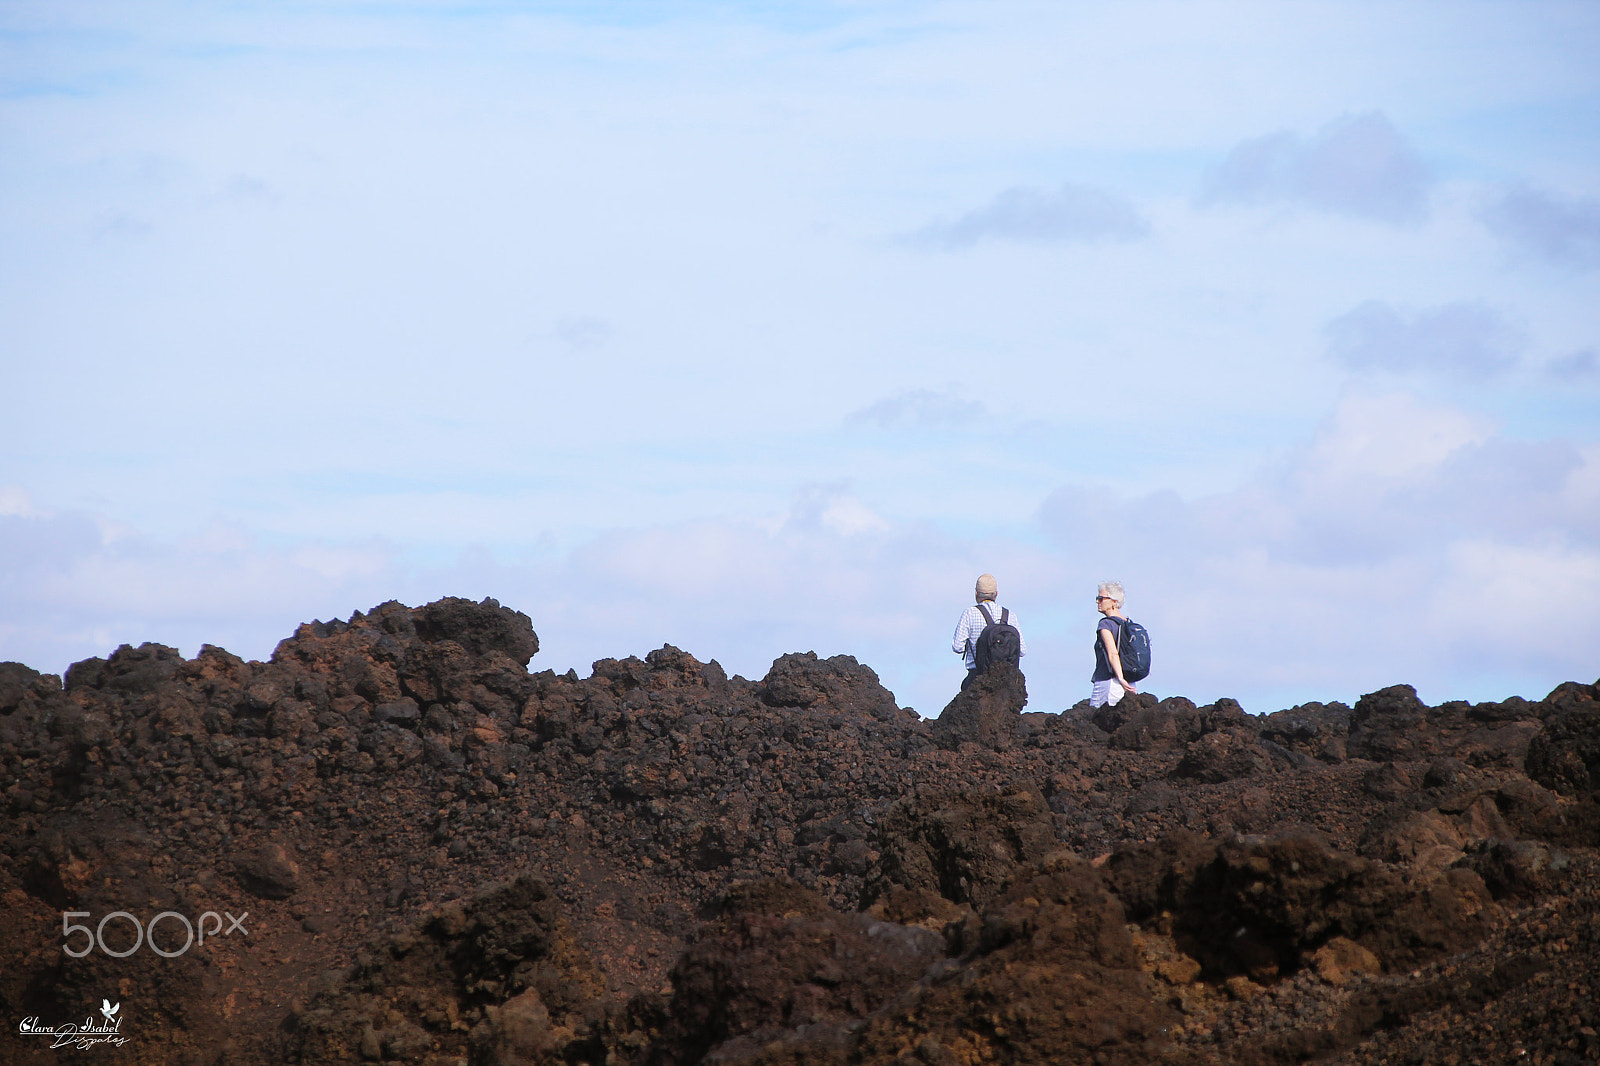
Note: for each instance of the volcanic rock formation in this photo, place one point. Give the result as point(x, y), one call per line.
point(392, 843)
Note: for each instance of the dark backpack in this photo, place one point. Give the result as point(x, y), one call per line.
point(1133, 645)
point(999, 642)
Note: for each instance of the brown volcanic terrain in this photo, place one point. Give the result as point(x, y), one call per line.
point(437, 857)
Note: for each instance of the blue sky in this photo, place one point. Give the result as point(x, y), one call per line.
point(757, 328)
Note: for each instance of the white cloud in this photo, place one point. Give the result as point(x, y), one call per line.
point(1406, 543)
point(1358, 165)
point(15, 503)
point(1072, 213)
point(1577, 368)
point(583, 333)
point(1468, 338)
point(75, 586)
point(828, 574)
point(1403, 542)
point(1558, 230)
point(1536, 602)
point(1376, 439)
point(834, 509)
point(918, 409)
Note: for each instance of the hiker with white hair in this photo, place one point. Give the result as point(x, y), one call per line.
point(987, 633)
point(1116, 639)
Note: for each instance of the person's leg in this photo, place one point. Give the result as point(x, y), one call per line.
point(1105, 692)
point(968, 679)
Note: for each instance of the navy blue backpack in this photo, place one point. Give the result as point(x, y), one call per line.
point(1133, 645)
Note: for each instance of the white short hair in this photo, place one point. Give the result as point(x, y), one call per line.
point(1114, 590)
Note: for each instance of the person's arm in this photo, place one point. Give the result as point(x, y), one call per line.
point(1114, 658)
point(958, 643)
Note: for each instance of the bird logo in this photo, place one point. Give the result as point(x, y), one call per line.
point(110, 1009)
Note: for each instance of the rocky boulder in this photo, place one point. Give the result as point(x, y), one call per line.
point(1231, 753)
point(962, 847)
point(478, 627)
point(841, 683)
point(1319, 730)
point(781, 968)
point(1565, 756)
point(1176, 722)
point(1387, 725)
point(1262, 907)
point(491, 978)
point(1048, 973)
point(987, 713)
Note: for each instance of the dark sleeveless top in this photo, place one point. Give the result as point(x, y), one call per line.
point(1102, 665)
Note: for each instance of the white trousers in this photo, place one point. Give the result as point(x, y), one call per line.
point(1105, 692)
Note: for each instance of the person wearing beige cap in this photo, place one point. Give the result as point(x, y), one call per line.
point(984, 613)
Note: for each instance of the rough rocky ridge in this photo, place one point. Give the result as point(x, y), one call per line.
point(432, 855)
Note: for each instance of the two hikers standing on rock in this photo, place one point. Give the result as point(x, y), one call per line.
point(988, 632)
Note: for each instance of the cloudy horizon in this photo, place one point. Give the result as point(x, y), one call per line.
point(761, 328)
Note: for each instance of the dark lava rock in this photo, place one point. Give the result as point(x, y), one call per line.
point(963, 847)
point(803, 680)
point(1152, 798)
point(18, 682)
point(1049, 974)
point(1109, 717)
point(1566, 755)
point(1165, 726)
point(441, 857)
point(478, 627)
point(781, 965)
point(131, 671)
point(1386, 725)
point(1447, 773)
point(403, 712)
point(503, 961)
point(1388, 782)
point(1176, 722)
point(987, 713)
point(1393, 725)
point(1315, 729)
point(1260, 907)
point(1519, 868)
point(1228, 754)
point(268, 872)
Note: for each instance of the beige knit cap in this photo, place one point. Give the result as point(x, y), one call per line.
point(986, 589)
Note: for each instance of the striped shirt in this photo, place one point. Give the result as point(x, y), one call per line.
point(965, 641)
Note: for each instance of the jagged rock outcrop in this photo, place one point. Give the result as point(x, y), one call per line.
point(780, 966)
point(433, 854)
point(1319, 730)
point(803, 680)
point(987, 712)
point(504, 958)
point(960, 847)
point(1565, 755)
point(1263, 907)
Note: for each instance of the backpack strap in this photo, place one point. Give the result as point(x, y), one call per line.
point(1005, 616)
point(987, 617)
